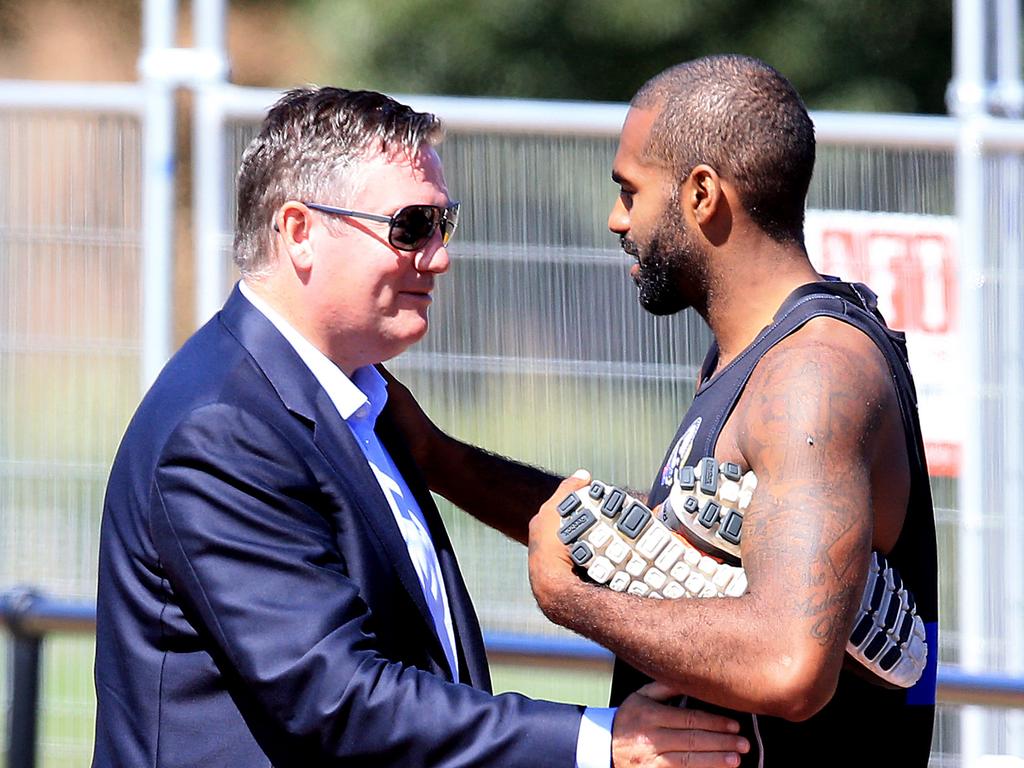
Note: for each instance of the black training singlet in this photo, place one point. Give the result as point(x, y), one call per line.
point(864, 724)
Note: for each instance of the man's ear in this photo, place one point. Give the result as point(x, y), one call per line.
point(293, 224)
point(703, 194)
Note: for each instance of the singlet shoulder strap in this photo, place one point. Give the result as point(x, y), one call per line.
point(857, 305)
point(852, 303)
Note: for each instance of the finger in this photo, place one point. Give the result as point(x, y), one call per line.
point(678, 718)
point(573, 482)
point(659, 691)
point(666, 741)
point(699, 760)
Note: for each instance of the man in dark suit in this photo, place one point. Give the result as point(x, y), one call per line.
point(276, 586)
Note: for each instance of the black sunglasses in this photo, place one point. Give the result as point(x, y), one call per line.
point(409, 228)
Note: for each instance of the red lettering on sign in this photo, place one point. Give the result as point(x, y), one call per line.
point(913, 274)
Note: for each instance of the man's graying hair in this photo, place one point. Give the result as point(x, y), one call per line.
point(745, 120)
point(310, 147)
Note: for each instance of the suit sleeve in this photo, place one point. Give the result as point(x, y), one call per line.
point(255, 566)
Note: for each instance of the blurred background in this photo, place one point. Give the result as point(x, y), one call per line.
point(851, 55)
point(121, 125)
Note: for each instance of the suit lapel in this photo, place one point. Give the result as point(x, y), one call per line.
point(302, 394)
point(473, 668)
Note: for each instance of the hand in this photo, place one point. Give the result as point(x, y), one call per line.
point(550, 565)
point(646, 733)
point(420, 434)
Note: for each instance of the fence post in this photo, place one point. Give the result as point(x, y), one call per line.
point(27, 652)
point(156, 66)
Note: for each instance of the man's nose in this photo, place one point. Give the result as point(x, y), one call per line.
point(434, 260)
point(618, 218)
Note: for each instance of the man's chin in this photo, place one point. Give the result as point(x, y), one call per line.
point(661, 310)
point(659, 304)
point(411, 332)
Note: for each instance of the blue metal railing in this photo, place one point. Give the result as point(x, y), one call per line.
point(29, 616)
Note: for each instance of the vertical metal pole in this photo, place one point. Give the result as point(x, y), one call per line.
point(159, 28)
point(1009, 90)
point(1009, 96)
point(24, 701)
point(209, 220)
point(967, 93)
point(967, 100)
point(26, 647)
point(1011, 223)
point(974, 493)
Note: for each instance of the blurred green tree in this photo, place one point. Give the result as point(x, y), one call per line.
point(866, 55)
point(841, 54)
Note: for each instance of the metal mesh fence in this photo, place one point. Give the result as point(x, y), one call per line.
point(1002, 522)
point(70, 315)
point(69, 342)
point(537, 349)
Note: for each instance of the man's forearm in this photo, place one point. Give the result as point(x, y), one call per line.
point(498, 491)
point(745, 662)
point(761, 652)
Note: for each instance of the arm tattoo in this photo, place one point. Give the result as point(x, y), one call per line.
point(805, 423)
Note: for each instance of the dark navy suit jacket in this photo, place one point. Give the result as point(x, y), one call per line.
point(256, 603)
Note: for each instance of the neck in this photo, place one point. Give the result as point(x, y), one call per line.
point(747, 290)
point(290, 308)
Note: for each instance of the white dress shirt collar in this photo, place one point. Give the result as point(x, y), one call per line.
point(367, 389)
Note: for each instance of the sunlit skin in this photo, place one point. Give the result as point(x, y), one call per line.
point(709, 210)
point(669, 269)
point(356, 297)
point(721, 239)
point(821, 504)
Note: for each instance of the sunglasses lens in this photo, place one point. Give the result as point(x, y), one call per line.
point(413, 226)
point(450, 222)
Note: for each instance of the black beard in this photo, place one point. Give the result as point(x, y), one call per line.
point(673, 269)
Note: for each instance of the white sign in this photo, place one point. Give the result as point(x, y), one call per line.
point(910, 262)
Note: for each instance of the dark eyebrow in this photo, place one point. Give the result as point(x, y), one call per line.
point(618, 178)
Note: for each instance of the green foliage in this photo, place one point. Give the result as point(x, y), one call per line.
point(841, 54)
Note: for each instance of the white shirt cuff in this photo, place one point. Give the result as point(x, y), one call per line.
point(594, 743)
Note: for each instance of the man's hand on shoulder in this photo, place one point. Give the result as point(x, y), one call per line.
point(649, 733)
point(420, 434)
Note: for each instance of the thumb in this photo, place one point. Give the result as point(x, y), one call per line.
point(575, 481)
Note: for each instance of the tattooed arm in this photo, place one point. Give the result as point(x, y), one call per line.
point(806, 424)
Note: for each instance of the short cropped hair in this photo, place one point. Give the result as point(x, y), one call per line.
point(744, 119)
point(311, 145)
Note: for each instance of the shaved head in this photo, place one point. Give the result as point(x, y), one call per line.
point(745, 120)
